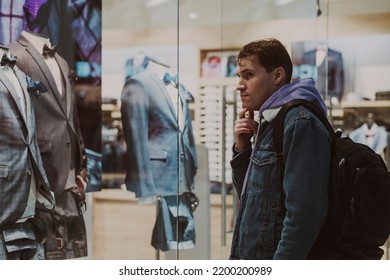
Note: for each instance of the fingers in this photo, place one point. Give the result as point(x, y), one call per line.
point(245, 122)
point(244, 112)
point(251, 115)
point(244, 128)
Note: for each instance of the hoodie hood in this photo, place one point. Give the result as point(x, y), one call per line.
point(298, 89)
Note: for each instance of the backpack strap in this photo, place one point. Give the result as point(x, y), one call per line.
point(278, 126)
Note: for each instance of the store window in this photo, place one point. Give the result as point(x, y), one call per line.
point(198, 41)
point(156, 101)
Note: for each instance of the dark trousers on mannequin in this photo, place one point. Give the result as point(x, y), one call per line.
point(174, 228)
point(66, 232)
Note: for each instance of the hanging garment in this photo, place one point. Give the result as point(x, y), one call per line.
point(331, 71)
point(374, 137)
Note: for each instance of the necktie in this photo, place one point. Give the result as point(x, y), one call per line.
point(9, 61)
point(49, 51)
point(168, 78)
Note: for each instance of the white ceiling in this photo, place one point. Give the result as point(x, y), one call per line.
point(125, 14)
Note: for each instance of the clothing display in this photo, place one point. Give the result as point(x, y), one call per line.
point(373, 136)
point(75, 27)
point(156, 133)
point(87, 35)
point(157, 128)
point(60, 143)
point(109, 160)
point(175, 225)
point(22, 177)
point(331, 70)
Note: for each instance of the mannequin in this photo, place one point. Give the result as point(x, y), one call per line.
point(60, 142)
point(371, 135)
point(22, 232)
point(161, 150)
point(148, 104)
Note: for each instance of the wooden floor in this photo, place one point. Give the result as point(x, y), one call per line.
point(122, 228)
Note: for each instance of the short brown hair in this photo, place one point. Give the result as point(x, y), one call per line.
point(270, 53)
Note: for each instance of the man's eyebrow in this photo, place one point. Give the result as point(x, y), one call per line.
point(245, 71)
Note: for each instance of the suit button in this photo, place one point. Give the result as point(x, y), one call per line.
point(68, 144)
point(28, 172)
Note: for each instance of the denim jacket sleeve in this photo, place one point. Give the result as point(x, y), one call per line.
point(306, 148)
point(239, 165)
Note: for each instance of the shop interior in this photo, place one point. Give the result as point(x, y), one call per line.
point(198, 40)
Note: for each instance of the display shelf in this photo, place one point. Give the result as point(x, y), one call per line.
point(355, 113)
point(216, 108)
point(367, 104)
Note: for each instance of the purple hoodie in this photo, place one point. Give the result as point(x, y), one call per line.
point(298, 89)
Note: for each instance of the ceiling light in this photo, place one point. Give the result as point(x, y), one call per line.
point(193, 15)
point(154, 3)
point(283, 2)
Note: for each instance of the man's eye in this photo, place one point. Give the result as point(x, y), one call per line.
point(248, 75)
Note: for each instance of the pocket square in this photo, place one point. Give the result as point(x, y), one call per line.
point(35, 88)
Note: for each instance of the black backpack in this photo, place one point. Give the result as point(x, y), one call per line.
point(358, 220)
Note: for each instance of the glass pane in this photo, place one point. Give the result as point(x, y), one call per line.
point(199, 40)
point(143, 131)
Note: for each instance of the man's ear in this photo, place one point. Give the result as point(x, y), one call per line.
point(279, 75)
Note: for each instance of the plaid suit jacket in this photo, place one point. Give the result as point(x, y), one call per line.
point(19, 153)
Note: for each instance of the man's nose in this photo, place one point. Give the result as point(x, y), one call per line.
point(240, 86)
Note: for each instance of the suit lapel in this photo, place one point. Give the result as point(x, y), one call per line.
point(38, 58)
point(183, 105)
point(23, 83)
point(64, 69)
point(12, 91)
point(162, 88)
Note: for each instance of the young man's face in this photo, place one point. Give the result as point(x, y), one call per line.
point(255, 84)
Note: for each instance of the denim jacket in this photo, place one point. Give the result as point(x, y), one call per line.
point(284, 203)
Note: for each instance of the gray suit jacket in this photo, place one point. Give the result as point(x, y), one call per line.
point(161, 157)
point(59, 135)
point(19, 153)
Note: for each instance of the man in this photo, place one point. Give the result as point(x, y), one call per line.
point(283, 198)
point(60, 143)
point(23, 183)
